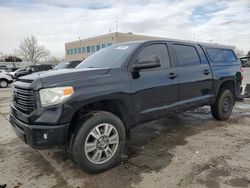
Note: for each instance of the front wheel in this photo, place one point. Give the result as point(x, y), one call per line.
point(3, 83)
point(99, 142)
point(223, 106)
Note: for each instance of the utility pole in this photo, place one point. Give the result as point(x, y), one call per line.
point(194, 36)
point(116, 23)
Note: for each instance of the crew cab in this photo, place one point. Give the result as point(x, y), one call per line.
point(92, 109)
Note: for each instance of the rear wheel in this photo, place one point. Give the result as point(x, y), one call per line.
point(4, 83)
point(99, 142)
point(223, 106)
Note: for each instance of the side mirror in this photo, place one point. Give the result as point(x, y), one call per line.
point(147, 62)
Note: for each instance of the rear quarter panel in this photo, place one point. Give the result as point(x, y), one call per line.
point(222, 73)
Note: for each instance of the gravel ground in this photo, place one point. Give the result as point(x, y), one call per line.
point(187, 150)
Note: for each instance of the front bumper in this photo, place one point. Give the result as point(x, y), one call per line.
point(40, 136)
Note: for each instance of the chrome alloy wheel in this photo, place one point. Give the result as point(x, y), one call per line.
point(3, 83)
point(101, 143)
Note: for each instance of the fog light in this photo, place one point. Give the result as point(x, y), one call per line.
point(45, 136)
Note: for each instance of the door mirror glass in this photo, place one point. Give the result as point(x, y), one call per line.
point(146, 62)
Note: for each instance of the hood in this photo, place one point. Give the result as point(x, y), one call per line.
point(56, 77)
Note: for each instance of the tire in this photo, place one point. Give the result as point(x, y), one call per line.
point(223, 106)
point(3, 83)
point(87, 157)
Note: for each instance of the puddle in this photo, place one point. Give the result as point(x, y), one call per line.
point(116, 177)
point(243, 106)
point(209, 183)
point(148, 149)
point(217, 172)
point(239, 182)
point(151, 159)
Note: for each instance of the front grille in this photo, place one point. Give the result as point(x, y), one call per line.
point(23, 99)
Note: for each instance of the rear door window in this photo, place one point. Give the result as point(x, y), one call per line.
point(186, 55)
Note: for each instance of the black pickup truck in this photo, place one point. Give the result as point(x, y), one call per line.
point(92, 108)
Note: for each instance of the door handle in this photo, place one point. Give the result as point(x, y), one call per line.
point(206, 72)
point(172, 75)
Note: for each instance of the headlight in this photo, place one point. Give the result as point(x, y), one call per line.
point(56, 95)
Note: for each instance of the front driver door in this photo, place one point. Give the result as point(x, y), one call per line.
point(155, 90)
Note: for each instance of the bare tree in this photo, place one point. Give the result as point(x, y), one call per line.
point(239, 52)
point(1, 57)
point(248, 54)
point(30, 50)
point(54, 60)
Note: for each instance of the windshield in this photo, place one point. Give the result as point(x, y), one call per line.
point(110, 57)
point(62, 65)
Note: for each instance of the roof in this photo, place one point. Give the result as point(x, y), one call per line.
point(216, 45)
point(206, 45)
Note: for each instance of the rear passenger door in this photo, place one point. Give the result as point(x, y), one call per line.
point(194, 72)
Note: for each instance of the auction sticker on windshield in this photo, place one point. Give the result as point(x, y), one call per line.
point(121, 47)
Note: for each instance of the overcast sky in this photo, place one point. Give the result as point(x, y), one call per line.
point(55, 22)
